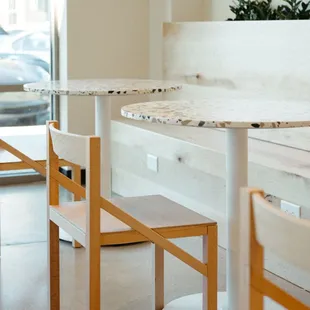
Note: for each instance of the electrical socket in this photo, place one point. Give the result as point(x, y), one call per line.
point(290, 208)
point(152, 162)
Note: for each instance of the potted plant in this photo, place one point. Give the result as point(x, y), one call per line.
point(265, 10)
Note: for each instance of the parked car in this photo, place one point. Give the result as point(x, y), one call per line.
point(19, 72)
point(21, 108)
point(28, 59)
point(27, 42)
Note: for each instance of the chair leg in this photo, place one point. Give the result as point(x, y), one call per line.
point(210, 249)
point(158, 278)
point(75, 244)
point(93, 273)
point(54, 266)
point(76, 172)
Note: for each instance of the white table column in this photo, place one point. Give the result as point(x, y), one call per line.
point(236, 177)
point(103, 130)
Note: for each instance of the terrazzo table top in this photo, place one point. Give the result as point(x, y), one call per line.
point(224, 113)
point(102, 87)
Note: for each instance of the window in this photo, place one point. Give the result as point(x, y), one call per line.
point(36, 42)
point(33, 42)
point(25, 58)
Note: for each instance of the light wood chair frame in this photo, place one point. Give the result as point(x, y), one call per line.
point(91, 239)
point(264, 226)
point(37, 165)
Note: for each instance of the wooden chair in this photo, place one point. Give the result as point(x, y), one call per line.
point(265, 227)
point(152, 218)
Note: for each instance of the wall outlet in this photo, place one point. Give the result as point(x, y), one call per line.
point(290, 208)
point(152, 162)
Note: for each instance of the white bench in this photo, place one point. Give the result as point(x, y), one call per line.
point(224, 59)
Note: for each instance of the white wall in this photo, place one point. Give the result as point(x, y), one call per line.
point(105, 38)
point(188, 10)
point(220, 9)
point(110, 38)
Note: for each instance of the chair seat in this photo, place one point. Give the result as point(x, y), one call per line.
point(157, 212)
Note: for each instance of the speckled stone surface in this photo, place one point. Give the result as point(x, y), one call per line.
point(103, 87)
point(223, 113)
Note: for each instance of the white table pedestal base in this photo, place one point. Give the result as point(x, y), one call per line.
point(64, 236)
point(194, 302)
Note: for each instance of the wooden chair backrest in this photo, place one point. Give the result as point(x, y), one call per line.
point(263, 226)
point(74, 148)
point(79, 150)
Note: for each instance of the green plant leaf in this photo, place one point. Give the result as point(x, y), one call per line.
point(263, 10)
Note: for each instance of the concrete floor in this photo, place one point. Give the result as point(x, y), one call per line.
point(125, 272)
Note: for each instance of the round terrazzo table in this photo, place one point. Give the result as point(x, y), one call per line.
point(236, 116)
point(102, 90)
